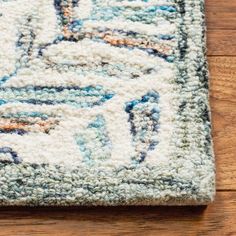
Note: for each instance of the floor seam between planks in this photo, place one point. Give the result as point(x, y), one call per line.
point(221, 56)
point(225, 190)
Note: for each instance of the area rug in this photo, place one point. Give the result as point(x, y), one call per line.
point(104, 102)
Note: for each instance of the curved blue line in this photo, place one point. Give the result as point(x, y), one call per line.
point(16, 159)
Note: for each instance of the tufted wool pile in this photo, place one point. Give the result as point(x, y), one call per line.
point(104, 102)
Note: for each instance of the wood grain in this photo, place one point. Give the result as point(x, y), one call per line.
point(221, 14)
point(217, 219)
point(221, 43)
point(221, 25)
point(223, 104)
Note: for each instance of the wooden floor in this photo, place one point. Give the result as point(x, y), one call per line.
point(218, 219)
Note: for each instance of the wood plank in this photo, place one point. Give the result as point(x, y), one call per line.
point(217, 219)
point(223, 104)
point(221, 25)
point(221, 43)
point(221, 14)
